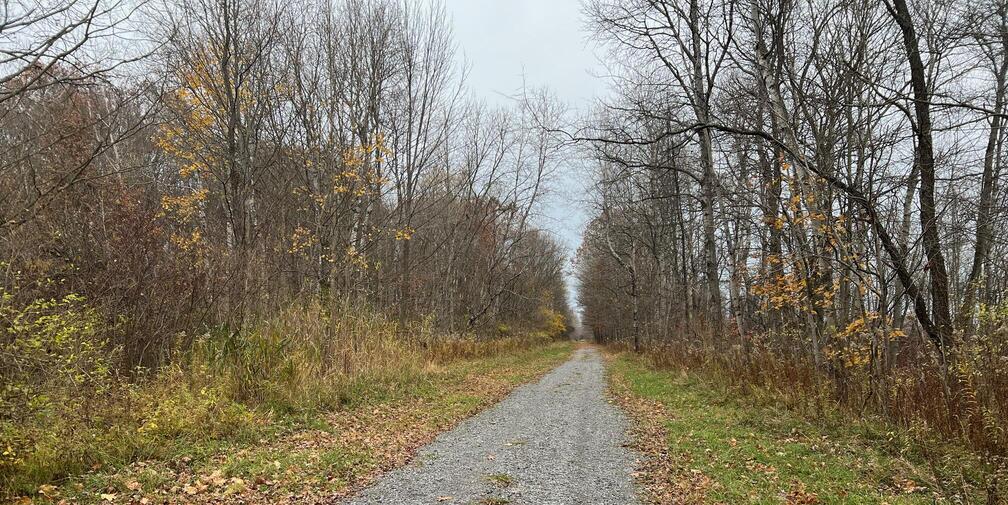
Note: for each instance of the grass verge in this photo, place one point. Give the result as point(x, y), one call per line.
point(308, 456)
point(705, 444)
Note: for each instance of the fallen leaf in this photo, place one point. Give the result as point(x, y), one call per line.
point(47, 490)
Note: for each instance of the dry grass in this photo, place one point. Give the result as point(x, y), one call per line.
point(322, 457)
point(223, 389)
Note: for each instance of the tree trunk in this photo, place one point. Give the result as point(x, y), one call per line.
point(984, 225)
point(941, 334)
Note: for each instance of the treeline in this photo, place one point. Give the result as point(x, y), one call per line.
point(214, 206)
point(809, 196)
point(244, 155)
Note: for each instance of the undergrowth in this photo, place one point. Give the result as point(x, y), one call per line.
point(66, 409)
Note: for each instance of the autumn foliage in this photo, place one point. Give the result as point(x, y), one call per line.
point(793, 199)
point(260, 221)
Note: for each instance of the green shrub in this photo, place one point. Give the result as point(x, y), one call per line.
point(51, 344)
point(55, 368)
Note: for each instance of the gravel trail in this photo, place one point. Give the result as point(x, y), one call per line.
point(557, 441)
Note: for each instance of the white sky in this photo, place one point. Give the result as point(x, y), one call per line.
point(538, 43)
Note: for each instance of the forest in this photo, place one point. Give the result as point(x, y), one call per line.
point(262, 251)
point(267, 199)
point(808, 197)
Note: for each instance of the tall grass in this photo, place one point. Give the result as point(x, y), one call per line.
point(63, 412)
point(308, 356)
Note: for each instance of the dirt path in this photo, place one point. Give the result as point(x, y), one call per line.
point(557, 441)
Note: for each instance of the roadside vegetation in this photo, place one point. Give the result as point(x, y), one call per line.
point(233, 232)
point(307, 404)
point(805, 201)
point(708, 440)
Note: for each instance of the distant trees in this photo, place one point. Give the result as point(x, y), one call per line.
point(849, 154)
point(271, 153)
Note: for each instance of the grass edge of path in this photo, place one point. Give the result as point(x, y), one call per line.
point(703, 444)
point(320, 456)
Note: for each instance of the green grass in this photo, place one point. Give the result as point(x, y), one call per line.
point(755, 452)
point(501, 479)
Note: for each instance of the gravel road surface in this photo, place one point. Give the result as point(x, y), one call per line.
point(557, 441)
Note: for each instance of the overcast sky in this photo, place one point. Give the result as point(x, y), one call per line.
point(539, 43)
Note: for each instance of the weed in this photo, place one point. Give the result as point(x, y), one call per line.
point(180, 433)
point(494, 500)
point(501, 479)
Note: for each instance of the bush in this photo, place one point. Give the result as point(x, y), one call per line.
point(553, 323)
point(51, 344)
point(65, 409)
point(55, 366)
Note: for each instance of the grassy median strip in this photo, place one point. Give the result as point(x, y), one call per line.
point(703, 445)
point(311, 457)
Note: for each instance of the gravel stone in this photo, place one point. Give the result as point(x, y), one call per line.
point(557, 441)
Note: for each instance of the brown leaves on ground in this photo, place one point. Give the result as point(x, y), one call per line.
point(798, 495)
point(392, 433)
point(663, 480)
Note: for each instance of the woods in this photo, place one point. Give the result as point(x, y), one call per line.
point(249, 158)
point(285, 196)
point(808, 197)
point(260, 249)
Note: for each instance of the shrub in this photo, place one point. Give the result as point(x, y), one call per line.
point(55, 367)
point(51, 343)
